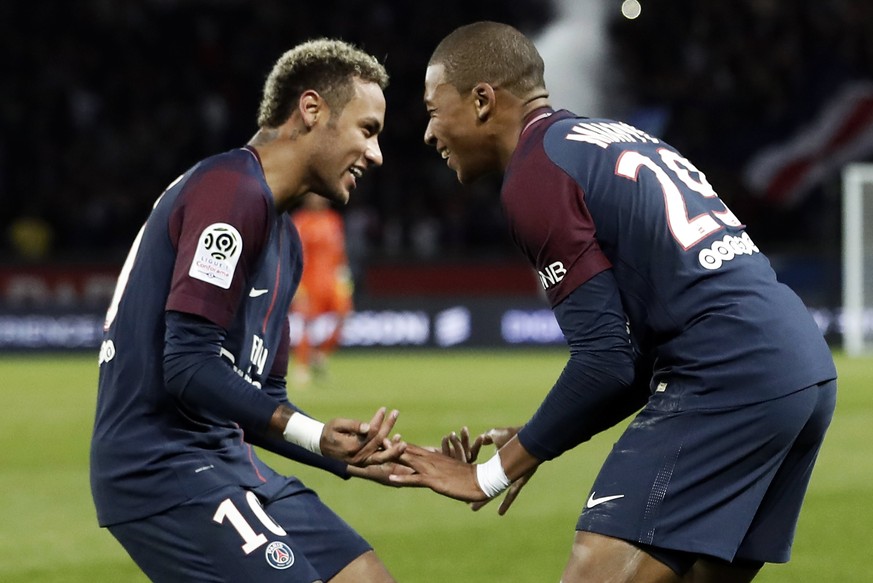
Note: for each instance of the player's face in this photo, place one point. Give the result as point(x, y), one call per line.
point(350, 143)
point(454, 128)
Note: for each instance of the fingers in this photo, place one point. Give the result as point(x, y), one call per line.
point(415, 453)
point(390, 448)
point(513, 492)
point(386, 424)
point(374, 439)
point(390, 451)
point(475, 506)
point(407, 479)
point(453, 446)
point(401, 470)
point(356, 443)
point(483, 439)
point(412, 460)
point(510, 497)
point(370, 429)
point(446, 446)
point(465, 443)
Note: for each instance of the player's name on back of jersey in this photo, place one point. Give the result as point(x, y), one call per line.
point(604, 133)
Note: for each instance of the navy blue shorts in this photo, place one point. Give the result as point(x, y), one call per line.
point(725, 483)
point(232, 534)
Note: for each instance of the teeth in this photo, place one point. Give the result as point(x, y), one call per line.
point(445, 154)
point(356, 172)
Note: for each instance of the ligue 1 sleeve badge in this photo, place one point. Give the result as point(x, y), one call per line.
point(218, 250)
point(279, 555)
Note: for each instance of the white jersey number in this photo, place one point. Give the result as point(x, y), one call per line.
point(251, 539)
point(121, 284)
point(686, 230)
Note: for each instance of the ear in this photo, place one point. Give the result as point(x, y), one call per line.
point(311, 106)
point(484, 99)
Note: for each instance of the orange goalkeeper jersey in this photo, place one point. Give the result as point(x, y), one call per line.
point(325, 280)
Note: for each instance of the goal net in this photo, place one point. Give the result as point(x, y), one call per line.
point(858, 259)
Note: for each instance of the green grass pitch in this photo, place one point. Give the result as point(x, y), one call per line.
point(48, 531)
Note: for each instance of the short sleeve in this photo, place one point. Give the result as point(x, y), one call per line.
point(219, 228)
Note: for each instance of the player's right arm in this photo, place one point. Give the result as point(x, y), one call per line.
point(195, 373)
point(219, 227)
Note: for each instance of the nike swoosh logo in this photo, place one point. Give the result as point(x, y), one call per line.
point(592, 501)
point(257, 292)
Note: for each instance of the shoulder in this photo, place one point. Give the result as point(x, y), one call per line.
point(224, 199)
point(234, 171)
point(231, 184)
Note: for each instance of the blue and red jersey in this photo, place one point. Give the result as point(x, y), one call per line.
point(586, 195)
point(214, 247)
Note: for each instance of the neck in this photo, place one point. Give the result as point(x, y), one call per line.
point(280, 165)
point(534, 103)
point(515, 124)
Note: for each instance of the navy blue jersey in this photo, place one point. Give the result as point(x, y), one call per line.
point(214, 247)
point(585, 195)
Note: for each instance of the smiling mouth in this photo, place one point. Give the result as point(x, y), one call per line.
point(445, 154)
point(356, 171)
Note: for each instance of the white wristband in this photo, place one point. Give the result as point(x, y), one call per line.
point(491, 477)
point(305, 432)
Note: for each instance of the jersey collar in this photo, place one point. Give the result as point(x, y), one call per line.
point(535, 116)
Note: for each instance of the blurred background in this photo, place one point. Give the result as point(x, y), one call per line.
point(104, 102)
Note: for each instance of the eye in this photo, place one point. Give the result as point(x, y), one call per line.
point(370, 130)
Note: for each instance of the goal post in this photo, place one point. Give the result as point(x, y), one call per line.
point(857, 258)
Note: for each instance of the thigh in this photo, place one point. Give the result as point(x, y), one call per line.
point(325, 539)
point(693, 481)
point(596, 558)
point(772, 531)
point(368, 567)
point(224, 535)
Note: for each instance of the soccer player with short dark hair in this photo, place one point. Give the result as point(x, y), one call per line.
point(645, 268)
point(195, 352)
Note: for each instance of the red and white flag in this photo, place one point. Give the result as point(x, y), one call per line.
point(783, 173)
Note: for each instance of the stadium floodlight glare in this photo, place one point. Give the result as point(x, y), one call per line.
point(857, 258)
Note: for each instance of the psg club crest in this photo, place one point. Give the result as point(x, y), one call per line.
point(279, 555)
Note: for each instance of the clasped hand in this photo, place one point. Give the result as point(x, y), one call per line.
point(451, 470)
point(362, 444)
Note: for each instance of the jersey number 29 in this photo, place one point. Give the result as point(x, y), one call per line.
point(686, 230)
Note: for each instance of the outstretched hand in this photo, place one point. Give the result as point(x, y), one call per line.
point(362, 444)
point(459, 447)
point(441, 473)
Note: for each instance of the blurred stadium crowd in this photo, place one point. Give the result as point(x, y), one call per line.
point(104, 102)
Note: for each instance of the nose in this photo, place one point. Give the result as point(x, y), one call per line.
point(429, 138)
point(373, 154)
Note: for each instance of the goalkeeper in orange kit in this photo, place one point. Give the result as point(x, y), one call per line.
point(324, 297)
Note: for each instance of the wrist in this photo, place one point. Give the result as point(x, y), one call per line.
point(305, 432)
point(491, 477)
